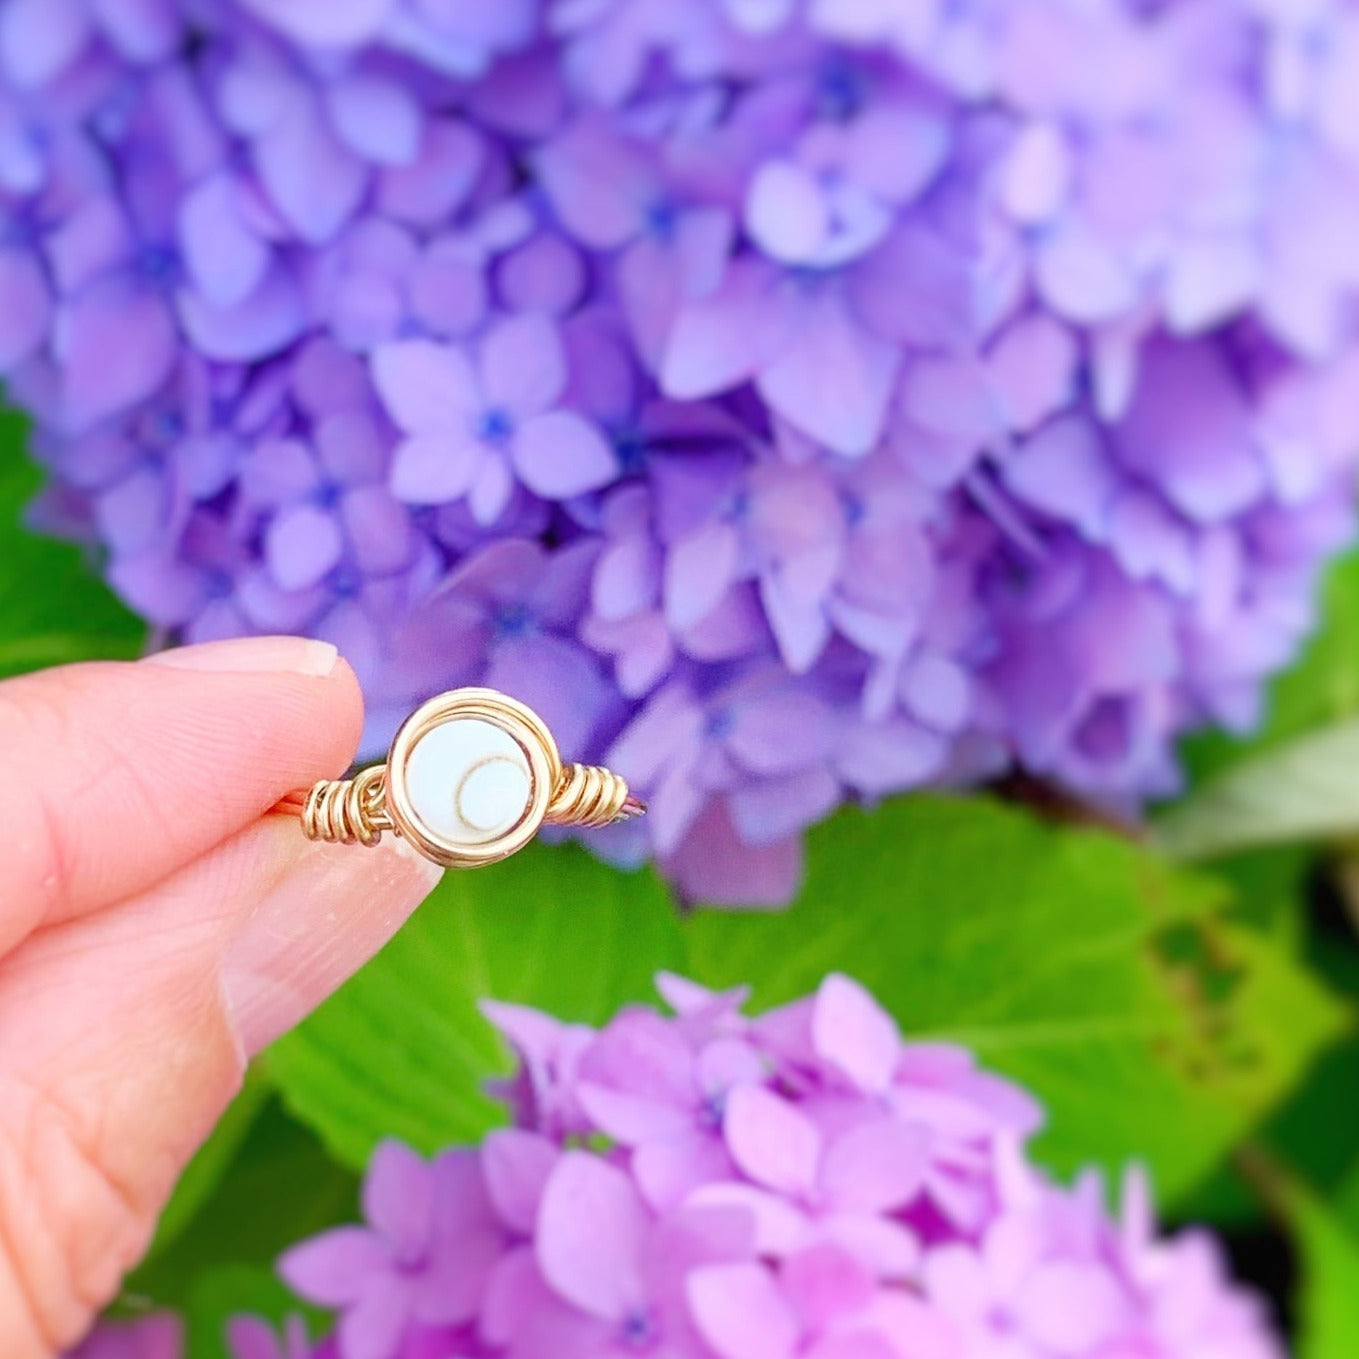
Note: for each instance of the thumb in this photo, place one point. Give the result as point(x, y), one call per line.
point(124, 1033)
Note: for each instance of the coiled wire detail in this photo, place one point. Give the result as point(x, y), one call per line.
point(590, 797)
point(347, 811)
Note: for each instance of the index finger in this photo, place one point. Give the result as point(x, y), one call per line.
point(117, 774)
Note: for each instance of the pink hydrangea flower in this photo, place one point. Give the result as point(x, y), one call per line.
point(803, 1184)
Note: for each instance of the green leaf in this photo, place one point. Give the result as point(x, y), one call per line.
point(1115, 986)
point(1109, 983)
point(402, 1050)
point(1306, 789)
point(211, 1163)
point(1328, 1294)
point(222, 1294)
point(280, 1187)
point(53, 607)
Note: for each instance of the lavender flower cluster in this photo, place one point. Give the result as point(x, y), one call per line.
point(794, 399)
point(709, 1186)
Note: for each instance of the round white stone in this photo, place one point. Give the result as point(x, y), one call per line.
point(493, 795)
point(468, 781)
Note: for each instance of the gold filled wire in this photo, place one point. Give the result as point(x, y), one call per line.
point(380, 799)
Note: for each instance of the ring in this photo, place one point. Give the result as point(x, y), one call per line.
point(470, 778)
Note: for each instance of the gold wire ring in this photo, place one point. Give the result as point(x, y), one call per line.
point(471, 777)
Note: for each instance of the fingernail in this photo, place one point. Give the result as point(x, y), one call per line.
point(253, 655)
point(327, 918)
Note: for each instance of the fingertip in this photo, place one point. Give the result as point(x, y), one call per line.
point(275, 655)
point(343, 697)
point(332, 912)
point(135, 769)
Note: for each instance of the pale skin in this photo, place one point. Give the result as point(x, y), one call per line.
point(158, 927)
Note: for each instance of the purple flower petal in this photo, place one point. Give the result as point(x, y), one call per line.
point(767, 812)
point(372, 1328)
point(1189, 429)
point(225, 258)
point(771, 1141)
point(1083, 279)
point(40, 38)
point(1033, 370)
point(313, 180)
point(721, 340)
point(335, 1268)
point(271, 318)
point(523, 365)
point(25, 307)
point(596, 184)
point(429, 191)
point(433, 470)
point(302, 546)
point(698, 573)
point(375, 118)
point(786, 212)
point(875, 1167)
point(559, 455)
point(1065, 471)
point(833, 379)
point(144, 30)
point(397, 1198)
point(117, 347)
point(590, 1231)
point(741, 1313)
point(325, 23)
point(855, 1034)
point(824, 1282)
point(517, 1166)
point(426, 388)
point(1037, 175)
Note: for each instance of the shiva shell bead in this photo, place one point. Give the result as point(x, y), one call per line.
point(468, 781)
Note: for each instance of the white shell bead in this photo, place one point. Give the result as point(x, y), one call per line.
point(468, 781)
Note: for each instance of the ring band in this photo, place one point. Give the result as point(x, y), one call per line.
point(471, 777)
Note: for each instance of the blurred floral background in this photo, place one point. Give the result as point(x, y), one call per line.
point(914, 441)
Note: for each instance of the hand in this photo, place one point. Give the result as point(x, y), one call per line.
point(157, 929)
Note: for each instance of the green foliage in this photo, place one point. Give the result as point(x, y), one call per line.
point(1304, 789)
point(219, 1295)
point(280, 1187)
point(1069, 958)
point(53, 607)
point(1326, 1236)
point(210, 1166)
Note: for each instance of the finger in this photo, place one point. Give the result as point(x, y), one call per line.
point(118, 774)
point(124, 1034)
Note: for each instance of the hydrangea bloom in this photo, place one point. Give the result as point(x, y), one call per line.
point(710, 1186)
point(802, 399)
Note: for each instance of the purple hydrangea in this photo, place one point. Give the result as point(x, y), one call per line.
point(802, 400)
point(801, 1185)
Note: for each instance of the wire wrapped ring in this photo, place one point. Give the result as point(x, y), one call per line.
point(471, 777)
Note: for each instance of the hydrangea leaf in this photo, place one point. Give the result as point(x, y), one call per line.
point(234, 1291)
point(1107, 981)
point(53, 608)
point(1328, 1248)
point(211, 1163)
point(280, 1164)
point(402, 1050)
point(1305, 789)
